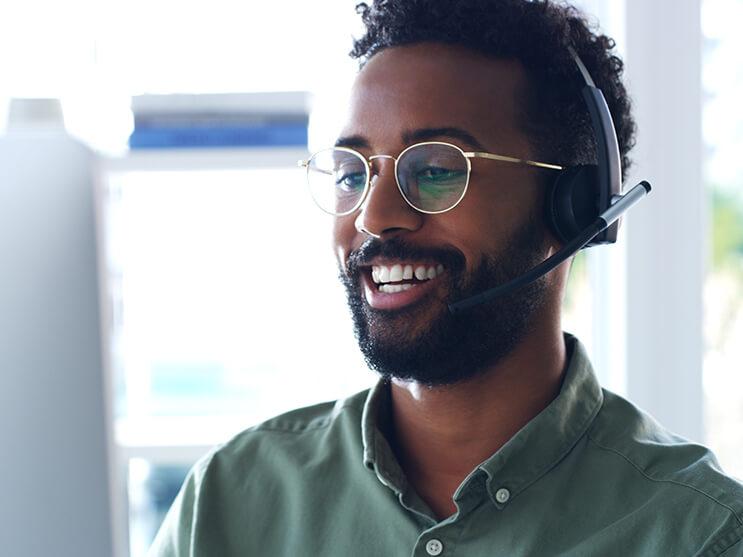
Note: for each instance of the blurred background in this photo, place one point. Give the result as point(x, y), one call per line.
point(219, 300)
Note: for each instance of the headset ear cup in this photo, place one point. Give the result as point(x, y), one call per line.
point(573, 201)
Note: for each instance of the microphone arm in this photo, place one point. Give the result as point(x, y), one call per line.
point(602, 222)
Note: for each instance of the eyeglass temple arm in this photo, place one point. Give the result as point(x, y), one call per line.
point(514, 160)
point(503, 158)
point(306, 163)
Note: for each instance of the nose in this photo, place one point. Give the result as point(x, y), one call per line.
point(384, 211)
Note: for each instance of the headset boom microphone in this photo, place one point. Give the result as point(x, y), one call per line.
point(604, 220)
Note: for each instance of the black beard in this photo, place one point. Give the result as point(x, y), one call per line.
point(452, 348)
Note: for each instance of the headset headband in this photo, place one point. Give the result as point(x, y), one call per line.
point(609, 163)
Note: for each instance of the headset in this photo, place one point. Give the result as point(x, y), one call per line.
point(584, 203)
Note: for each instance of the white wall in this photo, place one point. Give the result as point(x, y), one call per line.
point(647, 289)
point(665, 235)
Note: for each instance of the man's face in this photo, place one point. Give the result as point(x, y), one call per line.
point(436, 92)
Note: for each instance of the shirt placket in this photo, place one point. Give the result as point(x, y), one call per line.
point(441, 538)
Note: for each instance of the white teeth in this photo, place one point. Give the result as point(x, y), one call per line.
point(392, 288)
point(398, 272)
point(384, 274)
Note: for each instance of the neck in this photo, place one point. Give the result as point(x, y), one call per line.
point(442, 433)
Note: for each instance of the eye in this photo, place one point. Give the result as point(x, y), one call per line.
point(351, 181)
point(436, 174)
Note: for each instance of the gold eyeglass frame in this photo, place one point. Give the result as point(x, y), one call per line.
point(466, 154)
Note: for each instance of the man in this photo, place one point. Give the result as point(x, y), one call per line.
point(488, 433)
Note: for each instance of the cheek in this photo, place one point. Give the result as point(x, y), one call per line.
point(480, 224)
point(344, 233)
point(505, 200)
point(488, 216)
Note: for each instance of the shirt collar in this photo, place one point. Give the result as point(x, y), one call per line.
point(552, 433)
point(378, 455)
point(528, 455)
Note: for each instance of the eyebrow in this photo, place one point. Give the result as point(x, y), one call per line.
point(413, 136)
point(352, 142)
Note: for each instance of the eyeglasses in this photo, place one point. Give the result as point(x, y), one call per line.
point(432, 176)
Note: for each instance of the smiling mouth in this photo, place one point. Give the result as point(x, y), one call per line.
point(399, 277)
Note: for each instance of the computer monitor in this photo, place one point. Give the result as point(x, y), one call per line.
point(55, 495)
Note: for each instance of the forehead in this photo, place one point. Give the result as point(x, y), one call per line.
point(433, 85)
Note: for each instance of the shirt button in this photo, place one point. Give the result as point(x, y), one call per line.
point(502, 495)
point(434, 547)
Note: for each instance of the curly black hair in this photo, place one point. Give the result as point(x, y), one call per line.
point(535, 32)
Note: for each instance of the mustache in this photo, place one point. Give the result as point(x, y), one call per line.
point(396, 248)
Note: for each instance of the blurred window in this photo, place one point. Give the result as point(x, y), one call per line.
point(722, 77)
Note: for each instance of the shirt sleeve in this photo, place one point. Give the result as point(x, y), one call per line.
point(728, 544)
point(735, 550)
point(175, 537)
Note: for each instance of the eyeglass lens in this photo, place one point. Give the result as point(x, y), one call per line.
point(431, 177)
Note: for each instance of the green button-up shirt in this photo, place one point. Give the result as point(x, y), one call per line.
point(590, 475)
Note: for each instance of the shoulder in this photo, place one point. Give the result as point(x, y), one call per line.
point(671, 472)
point(661, 456)
point(296, 437)
point(232, 495)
